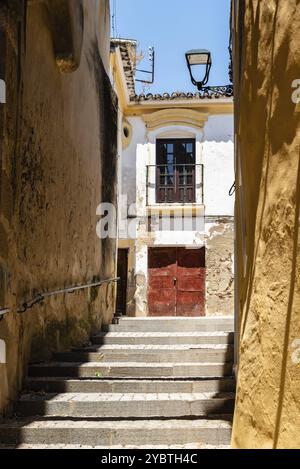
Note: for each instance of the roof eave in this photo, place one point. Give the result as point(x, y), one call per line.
point(218, 106)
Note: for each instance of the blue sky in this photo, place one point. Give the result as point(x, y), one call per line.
point(173, 27)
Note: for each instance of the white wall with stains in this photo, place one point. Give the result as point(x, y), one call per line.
point(215, 150)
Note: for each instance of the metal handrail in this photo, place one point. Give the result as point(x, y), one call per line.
point(4, 311)
point(174, 164)
point(42, 296)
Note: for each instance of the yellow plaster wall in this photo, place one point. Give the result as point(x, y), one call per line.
point(58, 162)
point(267, 61)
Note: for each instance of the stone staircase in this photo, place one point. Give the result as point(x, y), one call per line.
point(148, 382)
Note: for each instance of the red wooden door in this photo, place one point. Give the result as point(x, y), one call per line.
point(176, 282)
point(190, 297)
point(162, 264)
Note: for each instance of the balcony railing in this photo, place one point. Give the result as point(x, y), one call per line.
point(175, 184)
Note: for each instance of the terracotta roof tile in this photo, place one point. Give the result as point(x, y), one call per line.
point(128, 52)
point(182, 95)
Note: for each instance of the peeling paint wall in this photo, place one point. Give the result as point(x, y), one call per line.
point(58, 162)
point(267, 61)
point(214, 149)
point(219, 267)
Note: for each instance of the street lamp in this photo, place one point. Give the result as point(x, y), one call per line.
point(199, 63)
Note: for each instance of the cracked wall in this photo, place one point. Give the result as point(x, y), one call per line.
point(58, 162)
point(267, 61)
point(214, 227)
point(219, 268)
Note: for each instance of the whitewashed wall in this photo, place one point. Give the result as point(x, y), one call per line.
point(218, 178)
point(129, 158)
point(218, 160)
point(214, 148)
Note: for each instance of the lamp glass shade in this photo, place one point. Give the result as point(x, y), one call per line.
point(198, 57)
point(199, 63)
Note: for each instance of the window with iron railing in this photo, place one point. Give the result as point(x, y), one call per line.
point(176, 177)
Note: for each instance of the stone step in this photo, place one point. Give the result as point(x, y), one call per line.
point(162, 338)
point(63, 385)
point(130, 370)
point(126, 406)
point(179, 324)
point(119, 433)
point(156, 447)
point(149, 353)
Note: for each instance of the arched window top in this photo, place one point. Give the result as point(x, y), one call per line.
point(175, 117)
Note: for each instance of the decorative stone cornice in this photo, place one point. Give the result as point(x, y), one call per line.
point(171, 117)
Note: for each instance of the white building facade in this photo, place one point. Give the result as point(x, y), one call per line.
point(176, 227)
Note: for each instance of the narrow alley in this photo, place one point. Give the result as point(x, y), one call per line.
point(149, 226)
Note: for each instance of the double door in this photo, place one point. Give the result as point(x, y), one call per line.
point(176, 282)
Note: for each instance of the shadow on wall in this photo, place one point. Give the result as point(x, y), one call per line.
point(274, 142)
point(54, 174)
point(268, 150)
point(290, 310)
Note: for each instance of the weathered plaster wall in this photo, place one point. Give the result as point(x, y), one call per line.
point(214, 149)
point(219, 245)
point(267, 61)
point(219, 128)
point(58, 162)
point(102, 27)
point(218, 178)
point(128, 184)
